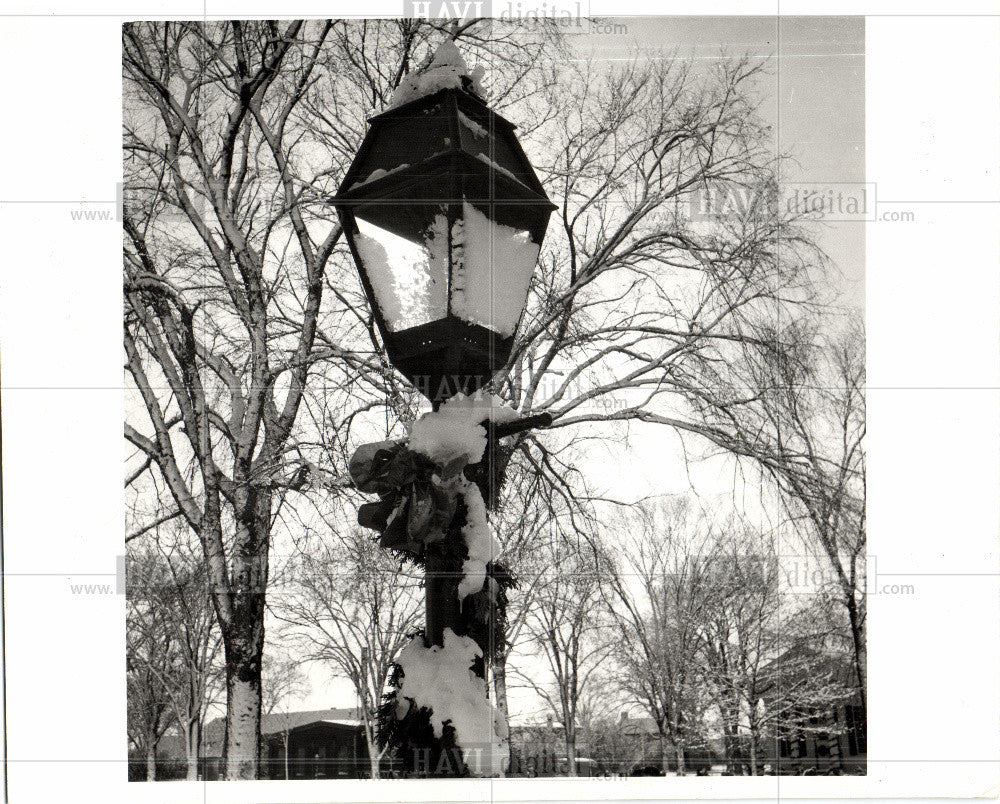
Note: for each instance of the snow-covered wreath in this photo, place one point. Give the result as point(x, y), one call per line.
point(437, 714)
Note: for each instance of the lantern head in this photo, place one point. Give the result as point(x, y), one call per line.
point(445, 217)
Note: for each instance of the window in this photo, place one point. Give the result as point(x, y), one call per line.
point(857, 729)
point(802, 745)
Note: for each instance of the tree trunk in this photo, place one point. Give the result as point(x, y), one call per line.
point(860, 651)
point(500, 695)
point(151, 761)
point(731, 736)
point(729, 745)
point(675, 741)
point(373, 757)
point(192, 739)
point(571, 752)
point(664, 754)
point(243, 634)
point(753, 752)
point(244, 646)
point(242, 750)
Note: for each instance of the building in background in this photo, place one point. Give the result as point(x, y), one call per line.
point(825, 738)
point(315, 744)
point(630, 746)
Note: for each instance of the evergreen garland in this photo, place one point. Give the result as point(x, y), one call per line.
point(484, 614)
point(412, 737)
point(411, 516)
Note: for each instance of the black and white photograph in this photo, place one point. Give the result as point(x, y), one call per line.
point(489, 415)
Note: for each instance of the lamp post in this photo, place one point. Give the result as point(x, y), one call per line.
point(445, 218)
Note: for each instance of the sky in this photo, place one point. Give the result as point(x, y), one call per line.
point(813, 98)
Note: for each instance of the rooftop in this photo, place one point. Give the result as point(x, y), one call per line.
point(276, 723)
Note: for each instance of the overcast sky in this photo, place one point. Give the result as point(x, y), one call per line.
point(813, 97)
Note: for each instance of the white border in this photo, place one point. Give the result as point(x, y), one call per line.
point(933, 302)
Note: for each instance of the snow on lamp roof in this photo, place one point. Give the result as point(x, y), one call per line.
point(446, 69)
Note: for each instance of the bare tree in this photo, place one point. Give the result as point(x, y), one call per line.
point(149, 719)
point(602, 713)
point(799, 691)
point(638, 298)
point(169, 602)
point(224, 267)
point(804, 425)
point(283, 681)
point(148, 643)
point(526, 518)
point(636, 292)
point(349, 606)
point(660, 596)
point(741, 634)
point(566, 624)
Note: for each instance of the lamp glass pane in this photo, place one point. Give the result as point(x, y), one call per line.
point(491, 271)
point(408, 276)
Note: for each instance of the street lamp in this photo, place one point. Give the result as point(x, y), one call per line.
point(445, 217)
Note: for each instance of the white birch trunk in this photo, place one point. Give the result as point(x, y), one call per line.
point(192, 739)
point(151, 762)
point(243, 725)
point(500, 695)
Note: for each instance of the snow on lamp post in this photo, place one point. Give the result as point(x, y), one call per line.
point(445, 218)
